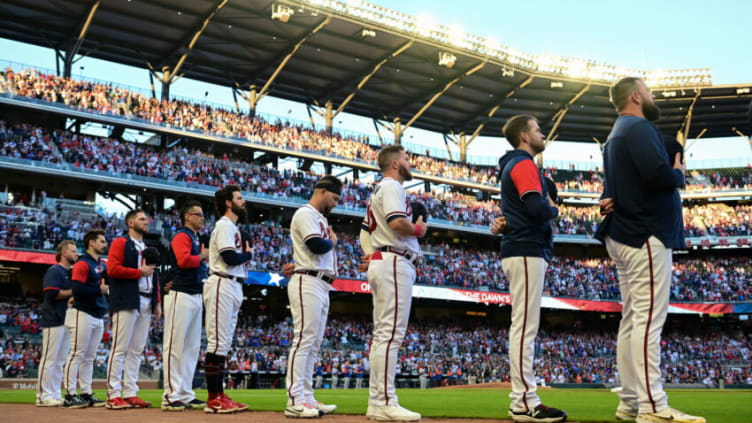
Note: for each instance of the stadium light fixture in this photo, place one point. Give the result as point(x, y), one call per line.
point(281, 13)
point(456, 35)
point(426, 26)
point(740, 91)
point(368, 33)
point(447, 59)
point(557, 84)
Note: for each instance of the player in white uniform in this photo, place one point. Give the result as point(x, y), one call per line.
point(390, 242)
point(313, 242)
point(223, 294)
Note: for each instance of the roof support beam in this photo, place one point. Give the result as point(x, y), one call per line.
point(683, 131)
point(400, 130)
point(74, 44)
point(559, 115)
point(494, 106)
point(255, 95)
point(170, 72)
point(463, 143)
point(446, 143)
point(375, 68)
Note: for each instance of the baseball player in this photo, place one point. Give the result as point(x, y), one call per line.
point(55, 337)
point(390, 243)
point(183, 307)
point(134, 296)
point(526, 250)
point(643, 224)
point(223, 294)
point(85, 321)
point(313, 244)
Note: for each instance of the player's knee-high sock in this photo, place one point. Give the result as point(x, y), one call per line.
point(213, 373)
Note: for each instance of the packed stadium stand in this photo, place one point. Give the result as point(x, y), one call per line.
point(66, 143)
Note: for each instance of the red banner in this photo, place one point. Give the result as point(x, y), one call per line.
point(352, 285)
point(27, 257)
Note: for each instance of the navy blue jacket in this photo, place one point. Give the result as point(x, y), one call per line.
point(525, 235)
point(123, 268)
point(187, 269)
point(640, 179)
point(53, 311)
point(87, 276)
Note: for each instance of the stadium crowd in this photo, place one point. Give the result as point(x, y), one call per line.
point(106, 98)
point(445, 352)
point(194, 166)
point(720, 279)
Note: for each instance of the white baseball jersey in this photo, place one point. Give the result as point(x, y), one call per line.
point(224, 237)
point(144, 282)
point(308, 223)
point(389, 201)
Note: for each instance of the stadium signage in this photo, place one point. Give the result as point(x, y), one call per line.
point(503, 299)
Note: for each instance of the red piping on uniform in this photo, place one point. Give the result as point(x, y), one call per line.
point(44, 361)
point(70, 360)
point(647, 327)
point(112, 353)
point(216, 318)
point(172, 336)
point(300, 339)
point(394, 329)
point(522, 342)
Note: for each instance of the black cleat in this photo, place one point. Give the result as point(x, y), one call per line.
point(175, 406)
point(74, 401)
point(197, 404)
point(540, 414)
point(92, 400)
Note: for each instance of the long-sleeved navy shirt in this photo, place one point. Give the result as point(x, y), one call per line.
point(644, 185)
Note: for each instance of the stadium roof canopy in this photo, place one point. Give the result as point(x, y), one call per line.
point(366, 60)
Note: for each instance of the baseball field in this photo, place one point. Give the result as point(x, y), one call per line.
point(583, 405)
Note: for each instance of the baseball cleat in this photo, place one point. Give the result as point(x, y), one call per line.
point(74, 401)
point(175, 406)
point(668, 415)
point(196, 404)
point(50, 403)
point(221, 404)
point(92, 400)
point(325, 408)
point(540, 414)
point(117, 403)
point(391, 413)
point(137, 402)
point(303, 411)
point(623, 415)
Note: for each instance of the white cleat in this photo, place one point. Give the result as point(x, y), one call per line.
point(391, 413)
point(326, 408)
point(626, 415)
point(669, 415)
point(303, 411)
point(50, 403)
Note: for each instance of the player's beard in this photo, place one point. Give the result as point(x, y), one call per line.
point(650, 110)
point(405, 174)
point(139, 230)
point(239, 212)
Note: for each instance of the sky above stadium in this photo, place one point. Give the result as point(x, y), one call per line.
point(643, 34)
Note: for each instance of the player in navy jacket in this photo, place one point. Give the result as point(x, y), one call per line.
point(643, 224)
point(134, 296)
point(85, 320)
point(55, 337)
point(526, 250)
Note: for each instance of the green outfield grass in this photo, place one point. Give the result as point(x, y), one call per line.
point(592, 405)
